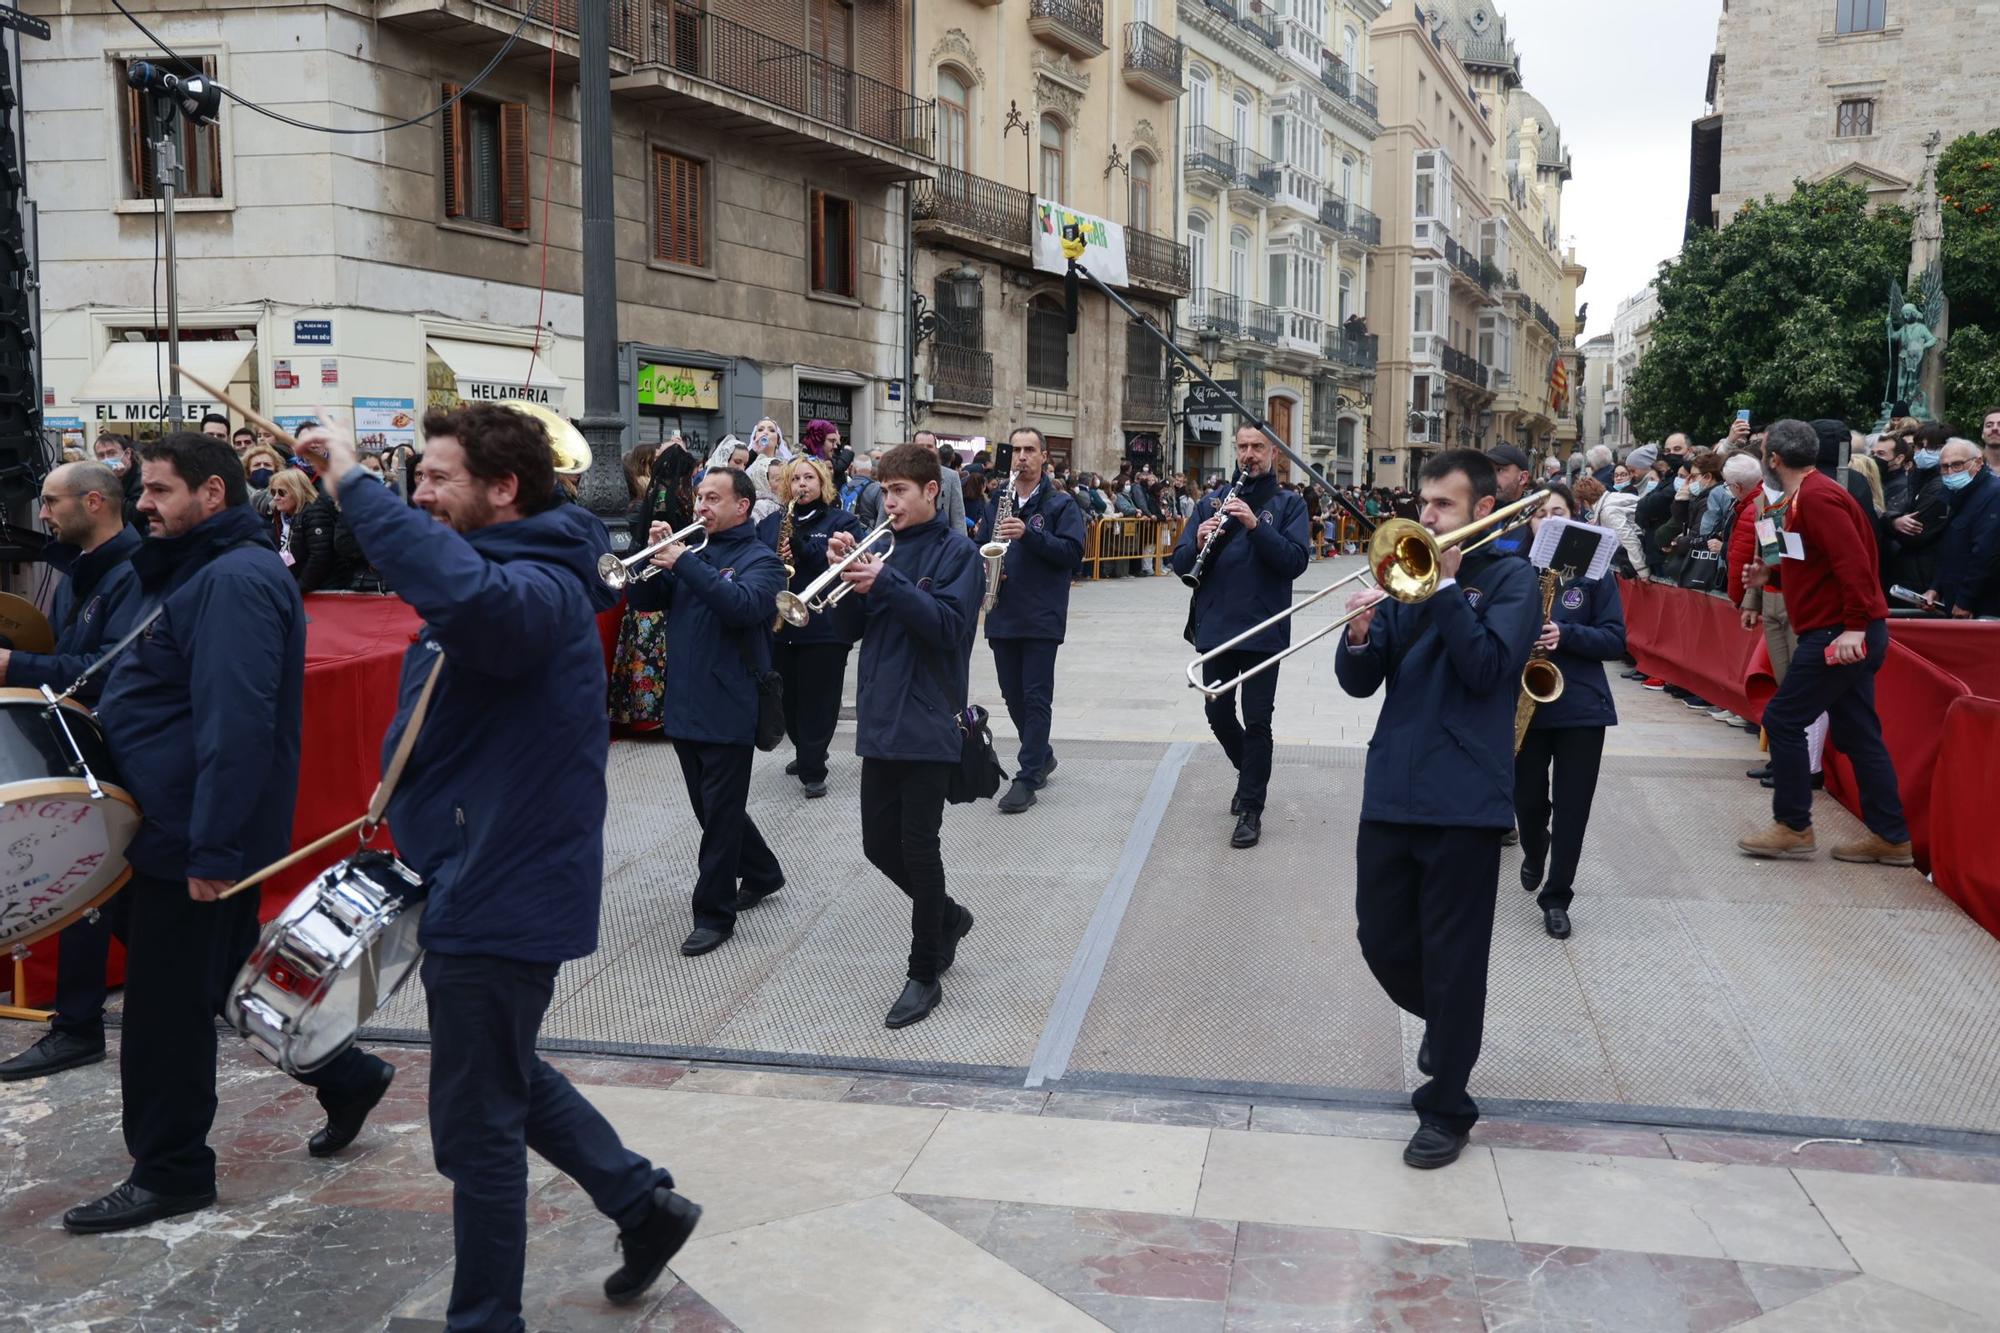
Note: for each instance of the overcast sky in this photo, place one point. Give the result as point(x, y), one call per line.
point(1624, 81)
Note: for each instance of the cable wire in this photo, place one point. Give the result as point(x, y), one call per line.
point(280, 117)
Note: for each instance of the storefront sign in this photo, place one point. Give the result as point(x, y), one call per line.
point(682, 387)
point(192, 409)
point(487, 391)
point(1104, 243)
point(312, 332)
point(1201, 398)
point(384, 423)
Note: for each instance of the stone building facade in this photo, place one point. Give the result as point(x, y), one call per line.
point(1595, 392)
point(761, 158)
point(1631, 332)
point(1814, 89)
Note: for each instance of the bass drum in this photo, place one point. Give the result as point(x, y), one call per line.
point(64, 824)
point(328, 961)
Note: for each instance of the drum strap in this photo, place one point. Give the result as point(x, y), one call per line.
point(406, 743)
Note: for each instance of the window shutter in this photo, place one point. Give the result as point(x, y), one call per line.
point(818, 241)
point(139, 156)
point(453, 121)
point(514, 166)
point(664, 221)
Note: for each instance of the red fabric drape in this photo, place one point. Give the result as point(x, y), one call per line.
point(1963, 862)
point(1912, 698)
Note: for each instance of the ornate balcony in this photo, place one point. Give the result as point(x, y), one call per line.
point(1145, 401)
point(1153, 61)
point(1258, 26)
point(1211, 311)
point(994, 219)
point(1348, 85)
point(1461, 366)
point(1363, 226)
point(961, 375)
point(1156, 263)
point(1256, 172)
point(1350, 351)
point(1261, 322)
point(476, 29)
point(1077, 26)
point(1211, 154)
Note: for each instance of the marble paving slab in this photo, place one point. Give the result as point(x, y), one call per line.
point(1051, 1160)
point(1937, 1237)
point(1308, 1180)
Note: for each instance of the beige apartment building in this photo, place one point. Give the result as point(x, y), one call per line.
point(1278, 145)
point(762, 156)
point(1814, 89)
point(1073, 103)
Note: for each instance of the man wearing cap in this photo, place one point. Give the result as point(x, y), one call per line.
point(1510, 475)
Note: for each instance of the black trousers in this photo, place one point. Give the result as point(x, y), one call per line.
point(1575, 754)
point(181, 957)
point(1027, 671)
point(491, 1099)
point(902, 809)
point(718, 786)
point(1846, 694)
point(813, 674)
point(1424, 900)
point(1248, 743)
point(83, 953)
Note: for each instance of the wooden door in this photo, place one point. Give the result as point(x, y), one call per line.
point(1279, 413)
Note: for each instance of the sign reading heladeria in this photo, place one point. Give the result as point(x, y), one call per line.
point(491, 391)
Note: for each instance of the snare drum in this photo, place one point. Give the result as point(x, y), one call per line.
point(331, 959)
point(64, 825)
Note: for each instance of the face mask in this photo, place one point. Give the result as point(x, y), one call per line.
point(1694, 489)
point(114, 463)
point(1680, 486)
point(260, 477)
point(1956, 481)
point(1927, 458)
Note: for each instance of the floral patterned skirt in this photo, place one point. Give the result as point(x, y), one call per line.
point(639, 670)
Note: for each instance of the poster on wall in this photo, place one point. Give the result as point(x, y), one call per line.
point(382, 424)
point(1104, 243)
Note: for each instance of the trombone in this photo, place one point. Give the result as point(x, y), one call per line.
point(824, 593)
point(618, 573)
point(1402, 558)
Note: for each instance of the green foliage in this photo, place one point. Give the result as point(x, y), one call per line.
point(1968, 185)
point(1782, 312)
point(1971, 378)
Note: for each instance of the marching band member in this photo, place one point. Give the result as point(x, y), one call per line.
point(812, 658)
point(82, 505)
point(719, 604)
point(1439, 789)
point(501, 809)
point(1262, 549)
point(1044, 536)
point(202, 714)
point(1585, 629)
point(915, 614)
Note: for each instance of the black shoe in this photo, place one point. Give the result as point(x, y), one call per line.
point(1531, 875)
point(954, 935)
point(914, 1004)
point(648, 1246)
point(1431, 1148)
point(1696, 701)
point(703, 940)
point(1511, 838)
point(344, 1122)
point(792, 769)
point(815, 790)
point(1758, 773)
point(747, 898)
point(1043, 780)
point(1818, 781)
point(1555, 920)
point(129, 1206)
point(55, 1052)
point(1020, 795)
point(1249, 828)
point(1676, 691)
point(1236, 805)
point(1424, 1056)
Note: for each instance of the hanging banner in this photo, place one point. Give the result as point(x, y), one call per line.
point(1104, 243)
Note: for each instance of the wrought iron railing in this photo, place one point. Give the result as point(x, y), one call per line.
point(1213, 311)
point(562, 15)
point(1256, 172)
point(1547, 321)
point(1085, 18)
point(1333, 213)
point(1264, 322)
point(1210, 150)
point(1363, 95)
point(961, 374)
point(1150, 51)
point(1145, 398)
point(1346, 83)
point(705, 46)
point(986, 208)
point(1260, 26)
point(1464, 366)
point(1363, 225)
point(1157, 261)
point(1355, 351)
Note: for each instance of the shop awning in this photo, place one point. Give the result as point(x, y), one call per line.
point(488, 372)
point(130, 381)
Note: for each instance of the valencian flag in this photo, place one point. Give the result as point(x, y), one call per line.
point(1558, 384)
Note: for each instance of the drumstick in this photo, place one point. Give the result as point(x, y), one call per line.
point(278, 432)
point(317, 845)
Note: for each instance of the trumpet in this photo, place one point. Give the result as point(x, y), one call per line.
point(824, 593)
point(618, 573)
point(1402, 560)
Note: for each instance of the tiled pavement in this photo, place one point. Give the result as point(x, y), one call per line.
point(836, 1203)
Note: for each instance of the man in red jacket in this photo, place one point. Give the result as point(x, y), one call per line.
point(1834, 599)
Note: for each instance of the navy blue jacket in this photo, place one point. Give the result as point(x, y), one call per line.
point(1517, 540)
point(95, 607)
point(1592, 617)
point(1034, 595)
point(1965, 574)
point(502, 806)
point(1250, 577)
point(916, 629)
point(1443, 749)
point(203, 711)
point(809, 537)
point(720, 601)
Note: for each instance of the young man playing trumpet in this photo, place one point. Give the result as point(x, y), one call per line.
point(915, 615)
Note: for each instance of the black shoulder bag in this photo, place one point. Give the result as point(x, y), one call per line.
point(770, 701)
point(977, 775)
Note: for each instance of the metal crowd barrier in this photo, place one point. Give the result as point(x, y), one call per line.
point(1117, 546)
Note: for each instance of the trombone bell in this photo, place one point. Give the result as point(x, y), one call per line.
point(572, 451)
point(1403, 553)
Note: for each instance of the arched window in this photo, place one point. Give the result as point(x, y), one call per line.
point(1346, 295)
point(1197, 97)
point(1350, 47)
point(954, 119)
point(1239, 120)
point(1197, 234)
point(1239, 262)
point(1140, 206)
point(1052, 158)
point(1347, 179)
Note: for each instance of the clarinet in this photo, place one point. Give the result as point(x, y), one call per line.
point(1193, 577)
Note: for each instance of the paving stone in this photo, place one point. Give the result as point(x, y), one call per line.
point(1149, 1110)
point(948, 1096)
point(1758, 1150)
point(1935, 1237)
point(1530, 1286)
point(1293, 1278)
point(1776, 1284)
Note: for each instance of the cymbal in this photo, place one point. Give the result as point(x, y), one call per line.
point(23, 628)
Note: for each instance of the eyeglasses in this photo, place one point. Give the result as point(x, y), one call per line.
point(1960, 466)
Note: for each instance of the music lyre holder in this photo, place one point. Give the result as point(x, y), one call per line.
point(1256, 419)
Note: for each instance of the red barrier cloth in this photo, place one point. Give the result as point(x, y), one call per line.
point(1912, 697)
point(1963, 863)
point(1697, 642)
point(1968, 649)
point(354, 654)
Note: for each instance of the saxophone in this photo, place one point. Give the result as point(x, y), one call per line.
point(1541, 679)
point(785, 556)
point(994, 552)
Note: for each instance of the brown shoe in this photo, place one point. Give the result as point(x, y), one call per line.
point(1778, 841)
point(1879, 850)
